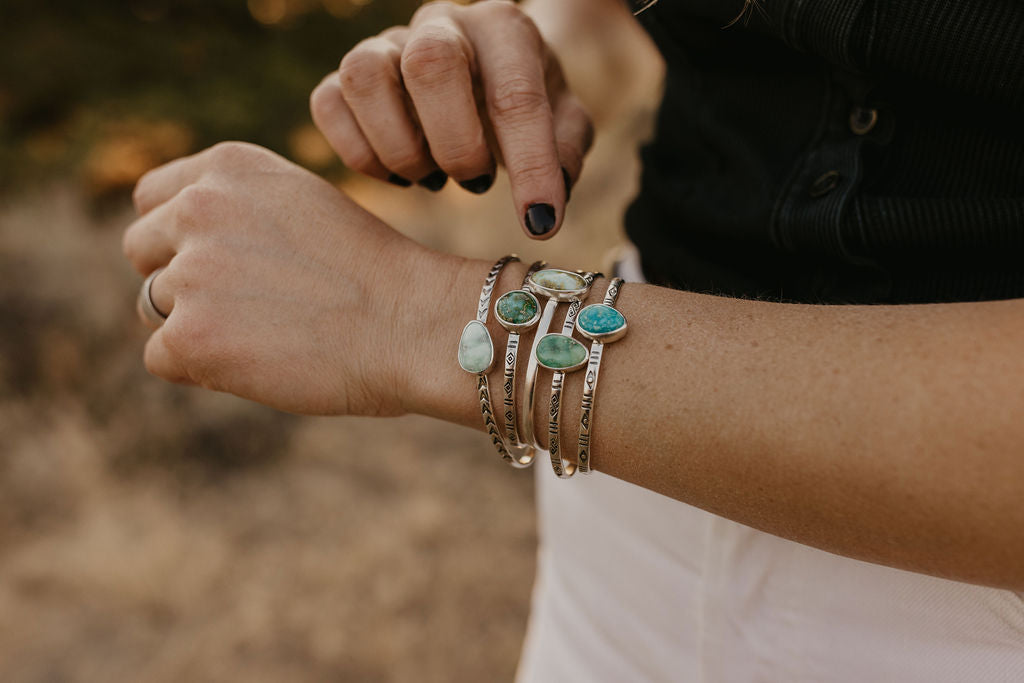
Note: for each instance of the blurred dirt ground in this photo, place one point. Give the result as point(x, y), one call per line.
point(150, 532)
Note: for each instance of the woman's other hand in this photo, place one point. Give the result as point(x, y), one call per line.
point(277, 287)
point(457, 90)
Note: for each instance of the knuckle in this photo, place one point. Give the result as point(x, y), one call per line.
point(516, 98)
point(435, 9)
point(189, 265)
point(499, 7)
point(197, 203)
point(363, 70)
point(321, 104)
point(463, 157)
point(231, 154)
point(531, 168)
point(188, 343)
point(139, 192)
point(433, 56)
point(509, 14)
point(128, 245)
point(359, 158)
point(394, 32)
point(404, 159)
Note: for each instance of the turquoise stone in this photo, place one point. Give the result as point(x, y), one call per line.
point(475, 348)
point(559, 280)
point(558, 352)
point(516, 307)
point(600, 319)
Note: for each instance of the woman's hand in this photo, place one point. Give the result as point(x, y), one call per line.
point(277, 287)
point(448, 95)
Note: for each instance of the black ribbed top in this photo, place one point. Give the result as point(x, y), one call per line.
point(837, 151)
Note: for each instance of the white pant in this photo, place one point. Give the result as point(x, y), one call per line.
point(633, 586)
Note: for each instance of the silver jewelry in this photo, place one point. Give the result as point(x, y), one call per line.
point(476, 355)
point(147, 309)
point(517, 311)
point(557, 286)
point(562, 354)
point(601, 324)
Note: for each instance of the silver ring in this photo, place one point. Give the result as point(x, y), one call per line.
point(150, 313)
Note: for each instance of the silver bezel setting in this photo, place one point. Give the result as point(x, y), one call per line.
point(518, 327)
point(603, 337)
point(560, 295)
point(490, 363)
point(573, 368)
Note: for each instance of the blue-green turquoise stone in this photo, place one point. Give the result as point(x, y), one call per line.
point(559, 352)
point(560, 280)
point(516, 307)
point(475, 348)
point(600, 319)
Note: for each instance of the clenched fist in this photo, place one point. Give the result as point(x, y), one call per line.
point(276, 287)
point(453, 93)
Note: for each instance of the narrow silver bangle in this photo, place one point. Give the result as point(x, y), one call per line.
point(517, 311)
point(562, 354)
point(602, 324)
point(557, 286)
point(476, 355)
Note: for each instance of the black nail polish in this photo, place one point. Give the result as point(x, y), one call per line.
point(434, 182)
point(399, 180)
point(568, 184)
point(540, 219)
point(480, 184)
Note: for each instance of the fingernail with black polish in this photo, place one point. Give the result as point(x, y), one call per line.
point(399, 180)
point(568, 184)
point(435, 181)
point(480, 184)
point(540, 219)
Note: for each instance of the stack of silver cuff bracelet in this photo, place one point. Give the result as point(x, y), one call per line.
point(519, 311)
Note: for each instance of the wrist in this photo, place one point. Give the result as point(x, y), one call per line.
point(434, 383)
point(446, 297)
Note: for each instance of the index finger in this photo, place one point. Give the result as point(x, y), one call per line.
point(511, 59)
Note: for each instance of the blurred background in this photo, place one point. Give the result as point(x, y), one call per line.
point(150, 532)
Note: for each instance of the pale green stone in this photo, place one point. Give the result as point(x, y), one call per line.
point(600, 319)
point(560, 280)
point(559, 352)
point(516, 307)
point(475, 348)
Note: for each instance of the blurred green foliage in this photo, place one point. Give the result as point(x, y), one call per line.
point(75, 74)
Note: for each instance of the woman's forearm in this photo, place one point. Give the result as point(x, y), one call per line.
point(893, 434)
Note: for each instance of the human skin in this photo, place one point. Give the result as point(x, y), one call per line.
point(456, 90)
point(885, 433)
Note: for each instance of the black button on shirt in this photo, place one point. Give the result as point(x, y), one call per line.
point(863, 120)
point(825, 183)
